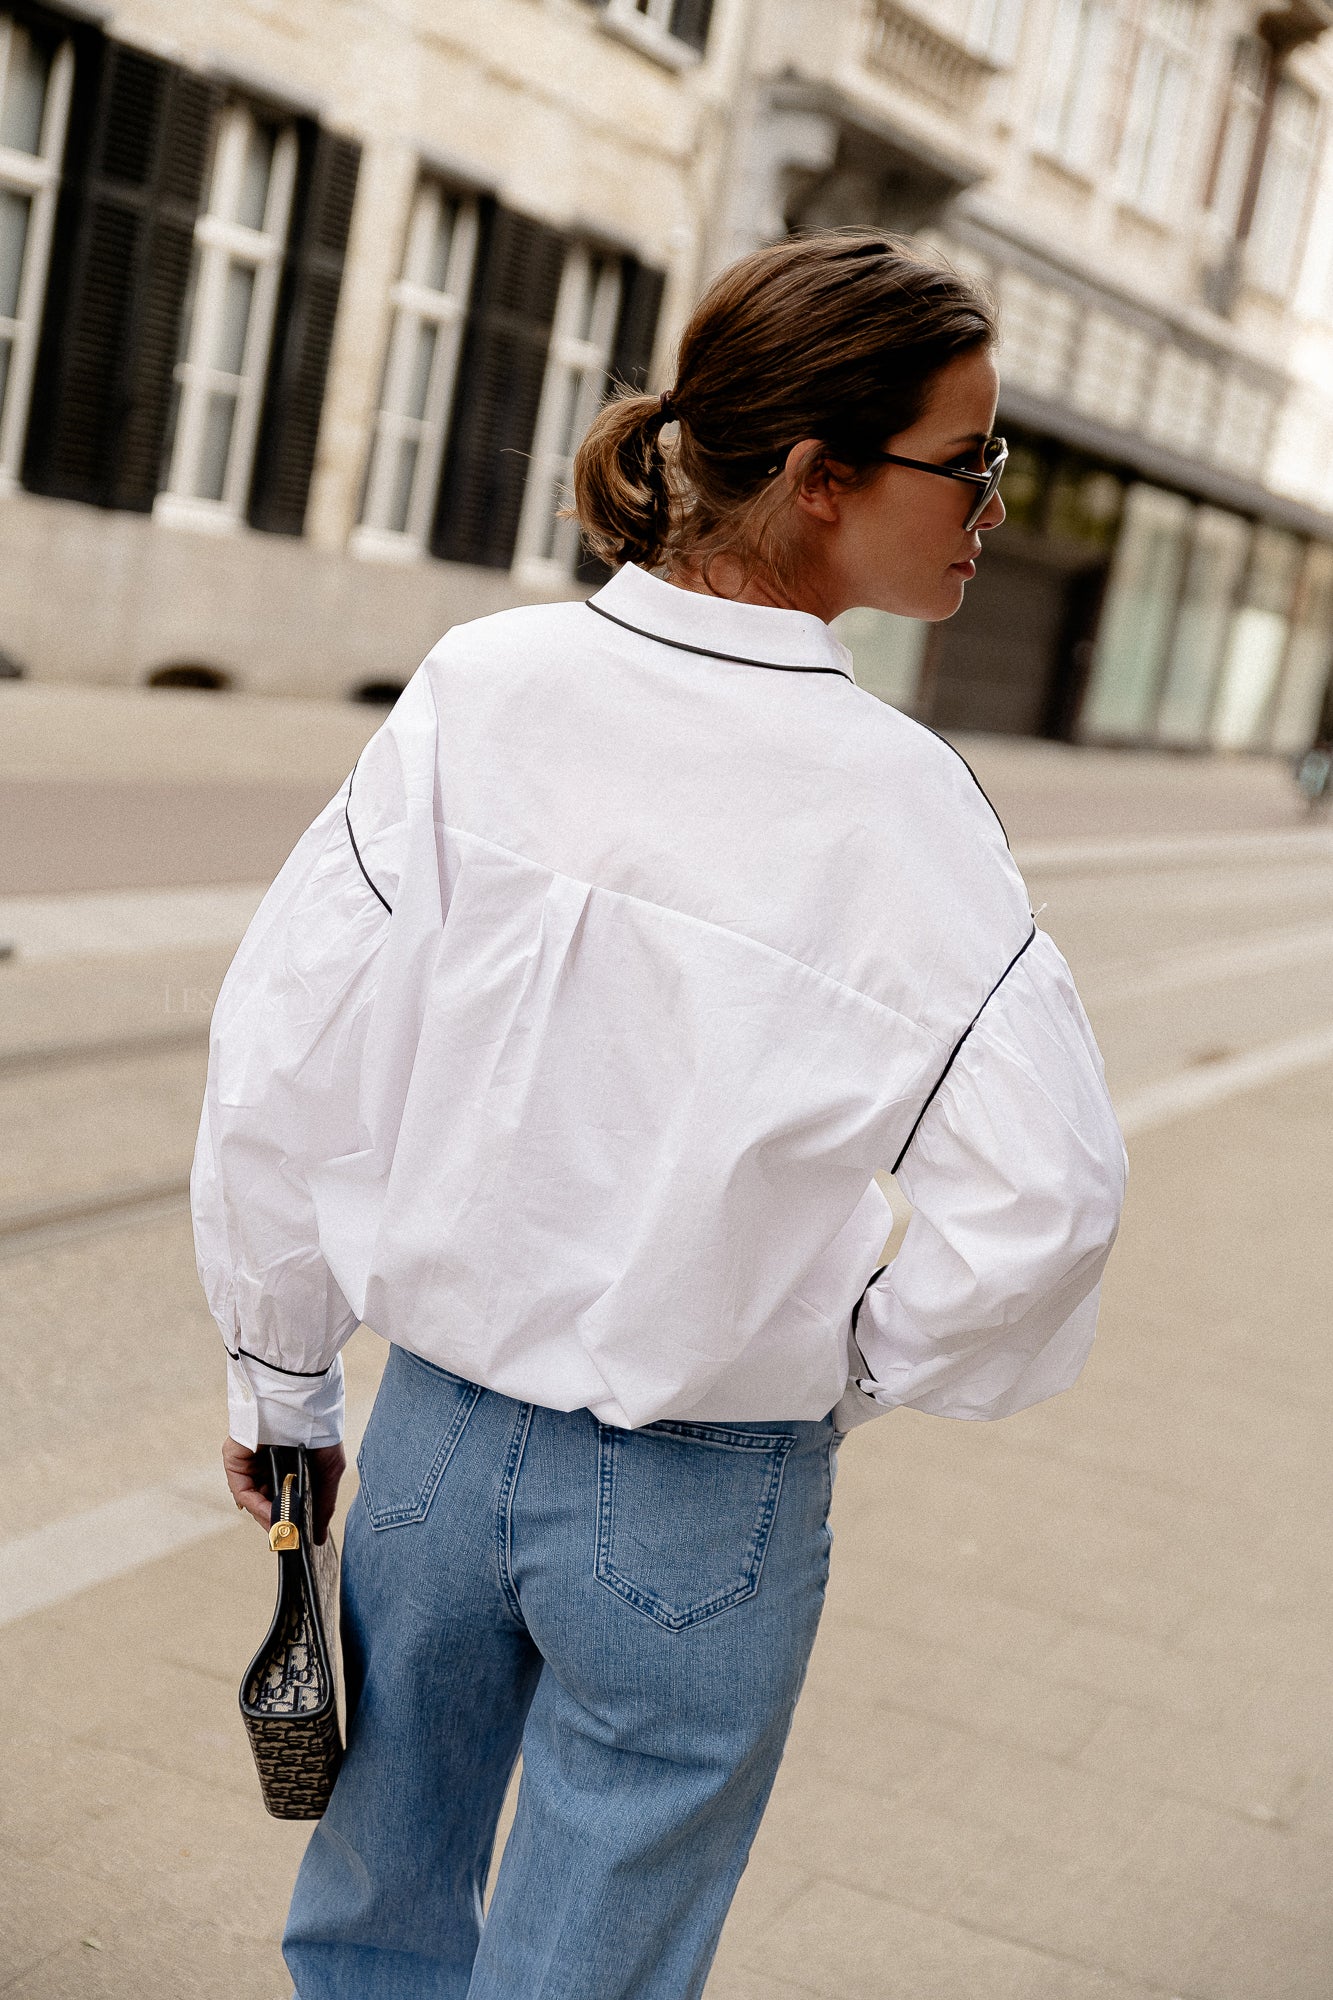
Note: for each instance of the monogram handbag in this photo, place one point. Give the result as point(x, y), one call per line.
point(289, 1695)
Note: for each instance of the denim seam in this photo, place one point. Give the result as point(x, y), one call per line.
point(413, 1511)
point(504, 1538)
point(776, 1445)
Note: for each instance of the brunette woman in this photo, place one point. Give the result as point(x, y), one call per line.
point(563, 1052)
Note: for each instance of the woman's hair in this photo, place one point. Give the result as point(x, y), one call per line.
point(836, 336)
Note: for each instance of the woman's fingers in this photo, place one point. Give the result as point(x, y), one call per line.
point(241, 1466)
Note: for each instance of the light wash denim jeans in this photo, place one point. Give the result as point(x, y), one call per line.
point(634, 1611)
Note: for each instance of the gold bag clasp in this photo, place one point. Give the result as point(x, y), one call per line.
point(284, 1534)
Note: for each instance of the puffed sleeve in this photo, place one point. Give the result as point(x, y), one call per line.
point(1016, 1176)
point(283, 1094)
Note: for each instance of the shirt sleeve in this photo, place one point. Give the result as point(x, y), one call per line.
point(285, 1050)
point(1016, 1176)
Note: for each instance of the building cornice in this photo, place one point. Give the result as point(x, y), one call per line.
point(1203, 335)
point(1159, 463)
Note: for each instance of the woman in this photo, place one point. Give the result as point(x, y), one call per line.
point(563, 1052)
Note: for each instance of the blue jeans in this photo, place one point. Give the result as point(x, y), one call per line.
point(634, 1612)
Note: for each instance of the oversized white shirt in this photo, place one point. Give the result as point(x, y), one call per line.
point(566, 1044)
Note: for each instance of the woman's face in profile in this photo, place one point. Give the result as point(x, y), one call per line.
point(898, 540)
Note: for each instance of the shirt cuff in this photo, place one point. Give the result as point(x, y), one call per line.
point(267, 1406)
point(855, 1407)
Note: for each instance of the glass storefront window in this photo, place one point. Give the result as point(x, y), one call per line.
point(1257, 641)
point(1216, 560)
point(887, 652)
point(1310, 656)
point(1085, 503)
point(1138, 615)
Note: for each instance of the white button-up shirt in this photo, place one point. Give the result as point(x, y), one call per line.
point(567, 1043)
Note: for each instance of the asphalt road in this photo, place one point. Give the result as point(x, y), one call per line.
point(1066, 1732)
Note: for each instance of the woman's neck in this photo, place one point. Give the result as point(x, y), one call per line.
point(727, 580)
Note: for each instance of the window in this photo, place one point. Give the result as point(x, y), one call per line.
point(684, 22)
point(429, 309)
point(575, 383)
point(1041, 325)
point(548, 322)
point(1139, 614)
point(1277, 232)
point(227, 325)
point(1240, 122)
point(1309, 655)
point(1244, 426)
point(35, 83)
point(1079, 66)
point(1257, 641)
point(992, 28)
point(1112, 369)
point(1219, 545)
point(1183, 401)
point(1298, 460)
point(1157, 118)
point(1084, 502)
point(498, 397)
point(176, 274)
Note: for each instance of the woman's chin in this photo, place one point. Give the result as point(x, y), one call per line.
point(947, 600)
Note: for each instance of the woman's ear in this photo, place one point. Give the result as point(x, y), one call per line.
point(817, 480)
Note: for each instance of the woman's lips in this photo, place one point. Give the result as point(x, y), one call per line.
point(967, 568)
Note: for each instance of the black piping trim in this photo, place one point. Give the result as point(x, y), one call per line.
point(959, 1043)
point(306, 1374)
point(973, 776)
point(707, 652)
point(355, 849)
point(856, 1309)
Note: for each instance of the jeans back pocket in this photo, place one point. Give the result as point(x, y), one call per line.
point(684, 1515)
point(416, 1423)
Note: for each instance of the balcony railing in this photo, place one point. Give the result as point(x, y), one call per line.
point(911, 51)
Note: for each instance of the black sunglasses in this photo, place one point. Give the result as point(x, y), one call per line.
point(994, 452)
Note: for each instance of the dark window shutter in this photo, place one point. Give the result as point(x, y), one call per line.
point(303, 330)
point(499, 388)
point(119, 267)
point(690, 20)
point(641, 289)
point(186, 130)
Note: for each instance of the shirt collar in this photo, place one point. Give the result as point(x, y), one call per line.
point(756, 635)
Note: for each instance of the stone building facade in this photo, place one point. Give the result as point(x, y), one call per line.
point(304, 304)
point(1147, 185)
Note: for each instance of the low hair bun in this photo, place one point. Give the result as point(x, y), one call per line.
point(622, 494)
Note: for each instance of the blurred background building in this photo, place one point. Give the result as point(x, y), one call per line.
point(304, 306)
point(1138, 180)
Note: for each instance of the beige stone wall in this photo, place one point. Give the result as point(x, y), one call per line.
point(536, 100)
point(107, 598)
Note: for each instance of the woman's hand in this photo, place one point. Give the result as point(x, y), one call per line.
point(245, 1470)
